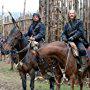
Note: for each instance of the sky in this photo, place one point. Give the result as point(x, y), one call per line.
point(18, 5)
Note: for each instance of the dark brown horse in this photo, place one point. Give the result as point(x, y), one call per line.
point(18, 41)
point(62, 54)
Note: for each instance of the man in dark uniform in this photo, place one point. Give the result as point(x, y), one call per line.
point(37, 29)
point(74, 32)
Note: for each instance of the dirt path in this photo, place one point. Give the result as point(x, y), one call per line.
point(9, 80)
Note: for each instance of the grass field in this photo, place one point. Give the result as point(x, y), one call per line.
point(10, 80)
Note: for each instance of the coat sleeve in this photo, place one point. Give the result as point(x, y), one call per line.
point(80, 31)
point(41, 33)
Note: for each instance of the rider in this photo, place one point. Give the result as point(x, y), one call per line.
point(74, 32)
point(37, 29)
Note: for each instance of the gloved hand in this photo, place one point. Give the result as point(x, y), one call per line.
point(71, 39)
point(32, 38)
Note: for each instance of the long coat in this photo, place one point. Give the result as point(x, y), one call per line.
point(37, 30)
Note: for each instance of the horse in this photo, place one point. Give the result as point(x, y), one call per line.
point(17, 40)
point(88, 69)
point(14, 58)
point(3, 53)
point(62, 53)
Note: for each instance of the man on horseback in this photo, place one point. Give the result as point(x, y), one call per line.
point(74, 32)
point(37, 29)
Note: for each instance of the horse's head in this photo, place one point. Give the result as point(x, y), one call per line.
point(13, 38)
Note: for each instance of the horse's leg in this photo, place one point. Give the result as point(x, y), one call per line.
point(4, 57)
point(89, 79)
point(12, 64)
point(51, 81)
point(32, 75)
point(72, 79)
point(23, 77)
point(80, 81)
point(58, 76)
point(0, 57)
point(58, 81)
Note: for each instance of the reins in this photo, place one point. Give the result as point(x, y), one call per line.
point(19, 62)
point(24, 49)
point(67, 60)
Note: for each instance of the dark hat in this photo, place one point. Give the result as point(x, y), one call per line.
point(36, 14)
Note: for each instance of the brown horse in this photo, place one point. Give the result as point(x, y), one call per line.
point(88, 69)
point(61, 53)
point(18, 41)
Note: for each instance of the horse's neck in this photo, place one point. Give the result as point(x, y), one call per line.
point(21, 45)
point(59, 51)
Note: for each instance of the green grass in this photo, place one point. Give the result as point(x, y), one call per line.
point(13, 76)
point(45, 86)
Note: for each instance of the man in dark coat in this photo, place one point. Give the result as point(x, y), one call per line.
point(74, 32)
point(37, 29)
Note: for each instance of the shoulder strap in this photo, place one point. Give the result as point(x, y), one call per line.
point(37, 26)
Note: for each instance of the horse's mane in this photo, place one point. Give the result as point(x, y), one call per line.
point(13, 30)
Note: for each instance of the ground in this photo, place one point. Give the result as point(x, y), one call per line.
point(10, 80)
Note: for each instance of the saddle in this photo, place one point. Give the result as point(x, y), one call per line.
point(75, 53)
point(74, 49)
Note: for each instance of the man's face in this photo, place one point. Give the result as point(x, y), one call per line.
point(71, 14)
point(35, 18)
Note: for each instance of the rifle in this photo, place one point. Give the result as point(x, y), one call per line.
point(13, 20)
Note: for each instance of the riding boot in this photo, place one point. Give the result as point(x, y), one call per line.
point(84, 64)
